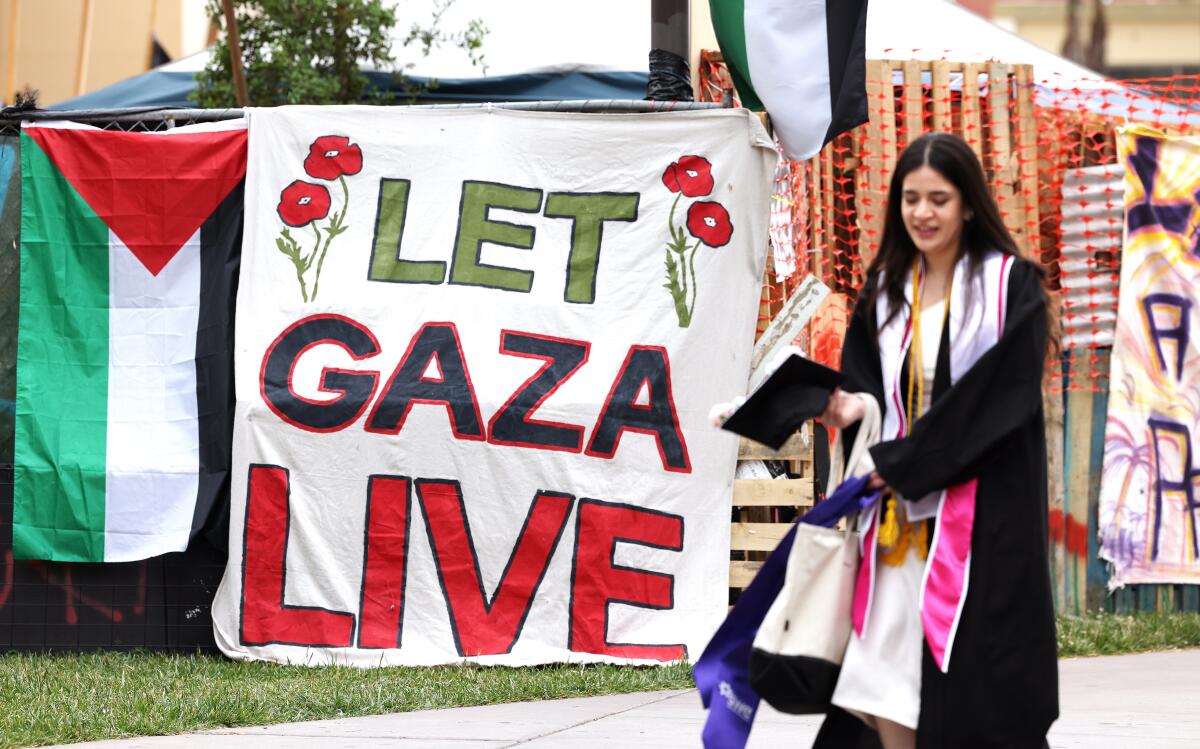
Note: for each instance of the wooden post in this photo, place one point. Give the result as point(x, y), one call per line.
point(1078, 465)
point(887, 108)
point(972, 123)
point(881, 127)
point(1096, 584)
point(10, 79)
point(816, 219)
point(940, 78)
point(1049, 161)
point(1004, 170)
point(825, 159)
point(235, 55)
point(1027, 153)
point(85, 48)
point(914, 103)
point(1052, 400)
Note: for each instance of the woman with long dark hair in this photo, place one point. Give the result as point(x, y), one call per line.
point(954, 641)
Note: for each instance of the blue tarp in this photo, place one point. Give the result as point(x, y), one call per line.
point(171, 88)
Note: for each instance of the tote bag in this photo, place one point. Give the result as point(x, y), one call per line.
point(797, 653)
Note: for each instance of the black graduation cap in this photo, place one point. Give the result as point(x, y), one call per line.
point(795, 392)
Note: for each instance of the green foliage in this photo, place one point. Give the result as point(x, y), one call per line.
point(49, 699)
point(311, 51)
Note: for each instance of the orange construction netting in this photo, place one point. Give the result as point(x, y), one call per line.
point(1048, 148)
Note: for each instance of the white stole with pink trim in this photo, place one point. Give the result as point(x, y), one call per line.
point(976, 324)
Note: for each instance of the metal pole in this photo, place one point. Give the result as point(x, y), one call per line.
point(159, 114)
point(235, 55)
point(670, 32)
point(670, 26)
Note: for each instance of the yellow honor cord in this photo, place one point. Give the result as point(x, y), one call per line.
point(889, 529)
point(894, 537)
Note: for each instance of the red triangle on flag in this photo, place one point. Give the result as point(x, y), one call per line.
point(152, 190)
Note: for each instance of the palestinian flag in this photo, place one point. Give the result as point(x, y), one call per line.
point(130, 245)
point(804, 61)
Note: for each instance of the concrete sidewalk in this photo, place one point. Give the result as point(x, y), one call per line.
point(1126, 702)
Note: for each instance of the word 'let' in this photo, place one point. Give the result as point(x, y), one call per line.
point(587, 212)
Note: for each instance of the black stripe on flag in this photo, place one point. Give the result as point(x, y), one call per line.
point(846, 31)
point(220, 261)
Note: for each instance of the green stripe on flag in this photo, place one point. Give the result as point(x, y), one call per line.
point(62, 369)
point(729, 23)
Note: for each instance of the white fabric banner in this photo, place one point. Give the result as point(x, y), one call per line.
point(476, 350)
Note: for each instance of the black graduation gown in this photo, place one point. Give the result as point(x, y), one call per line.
point(1002, 686)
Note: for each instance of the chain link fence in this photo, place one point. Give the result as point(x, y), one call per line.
point(161, 603)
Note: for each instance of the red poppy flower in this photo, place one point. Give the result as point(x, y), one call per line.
point(331, 156)
point(709, 222)
point(691, 175)
point(302, 203)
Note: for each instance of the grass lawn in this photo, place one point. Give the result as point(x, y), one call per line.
point(48, 699)
point(1112, 634)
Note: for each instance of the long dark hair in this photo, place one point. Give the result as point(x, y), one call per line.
point(952, 158)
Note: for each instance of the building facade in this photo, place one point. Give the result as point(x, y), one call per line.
point(64, 48)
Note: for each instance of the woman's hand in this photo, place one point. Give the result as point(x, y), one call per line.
point(843, 410)
point(875, 481)
point(722, 411)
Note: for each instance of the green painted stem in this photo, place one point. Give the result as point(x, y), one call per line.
point(692, 269)
point(297, 261)
point(335, 226)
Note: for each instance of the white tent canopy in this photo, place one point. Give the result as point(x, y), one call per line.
point(944, 30)
point(534, 36)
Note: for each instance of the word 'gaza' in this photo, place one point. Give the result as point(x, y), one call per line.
point(436, 347)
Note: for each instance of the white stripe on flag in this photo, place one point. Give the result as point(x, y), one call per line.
point(787, 51)
point(153, 434)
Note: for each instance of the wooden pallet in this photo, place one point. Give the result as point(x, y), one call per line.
point(996, 119)
point(1161, 598)
point(989, 105)
point(763, 508)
